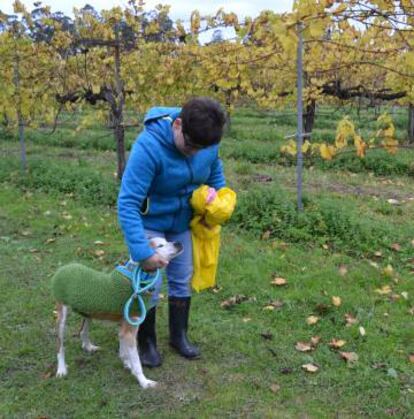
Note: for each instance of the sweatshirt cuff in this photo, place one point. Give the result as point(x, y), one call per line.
point(138, 255)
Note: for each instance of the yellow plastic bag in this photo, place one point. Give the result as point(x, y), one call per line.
point(205, 228)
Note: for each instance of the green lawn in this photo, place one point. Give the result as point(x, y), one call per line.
point(343, 246)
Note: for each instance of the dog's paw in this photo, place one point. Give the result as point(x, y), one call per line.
point(62, 372)
point(90, 348)
point(148, 383)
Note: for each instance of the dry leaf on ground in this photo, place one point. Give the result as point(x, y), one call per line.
point(312, 320)
point(237, 299)
point(343, 270)
point(386, 289)
point(350, 319)
point(337, 343)
point(279, 282)
point(396, 247)
point(336, 301)
point(310, 367)
point(349, 357)
point(274, 388)
point(304, 346)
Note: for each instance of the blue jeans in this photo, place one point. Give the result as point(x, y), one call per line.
point(180, 269)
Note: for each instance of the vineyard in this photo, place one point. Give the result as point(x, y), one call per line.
point(313, 315)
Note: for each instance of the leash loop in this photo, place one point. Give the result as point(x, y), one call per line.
point(141, 282)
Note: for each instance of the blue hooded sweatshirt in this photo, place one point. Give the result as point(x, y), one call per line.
point(158, 182)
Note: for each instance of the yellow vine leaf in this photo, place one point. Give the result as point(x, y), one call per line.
point(344, 132)
point(327, 151)
point(360, 146)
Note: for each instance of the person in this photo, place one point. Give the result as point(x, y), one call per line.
point(176, 152)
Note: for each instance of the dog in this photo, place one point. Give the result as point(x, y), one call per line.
point(97, 295)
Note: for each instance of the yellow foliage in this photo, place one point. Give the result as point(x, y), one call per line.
point(344, 132)
point(327, 151)
point(360, 146)
point(387, 133)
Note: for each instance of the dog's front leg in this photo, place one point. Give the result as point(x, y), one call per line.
point(62, 312)
point(128, 343)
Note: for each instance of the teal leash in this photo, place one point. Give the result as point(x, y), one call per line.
point(141, 282)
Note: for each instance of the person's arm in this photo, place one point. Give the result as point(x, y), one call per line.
point(216, 179)
point(136, 181)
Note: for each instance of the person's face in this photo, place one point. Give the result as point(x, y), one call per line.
point(182, 142)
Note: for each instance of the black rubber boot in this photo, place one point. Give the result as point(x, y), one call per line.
point(147, 341)
point(179, 311)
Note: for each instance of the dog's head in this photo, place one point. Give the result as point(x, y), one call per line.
point(167, 250)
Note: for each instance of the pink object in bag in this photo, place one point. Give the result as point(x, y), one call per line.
point(211, 195)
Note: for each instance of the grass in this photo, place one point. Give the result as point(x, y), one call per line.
point(250, 367)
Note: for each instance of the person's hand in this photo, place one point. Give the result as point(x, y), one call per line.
point(153, 263)
point(211, 195)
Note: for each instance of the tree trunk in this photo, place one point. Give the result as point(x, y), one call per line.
point(119, 133)
point(411, 123)
point(118, 107)
point(310, 116)
point(20, 119)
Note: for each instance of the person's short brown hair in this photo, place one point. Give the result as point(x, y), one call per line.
point(203, 121)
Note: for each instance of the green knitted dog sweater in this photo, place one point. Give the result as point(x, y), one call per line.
point(89, 291)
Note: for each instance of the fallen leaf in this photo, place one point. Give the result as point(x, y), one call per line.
point(343, 270)
point(405, 295)
point(337, 343)
point(336, 301)
point(411, 358)
point(246, 319)
point(362, 331)
point(98, 243)
point(315, 340)
point(279, 282)
point(388, 271)
point(51, 240)
point(237, 299)
point(396, 247)
point(26, 233)
point(274, 388)
point(386, 289)
point(378, 254)
point(325, 246)
point(310, 367)
point(304, 346)
point(350, 319)
point(217, 289)
point(349, 357)
point(411, 311)
point(312, 320)
point(66, 216)
point(99, 252)
point(34, 250)
point(276, 304)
